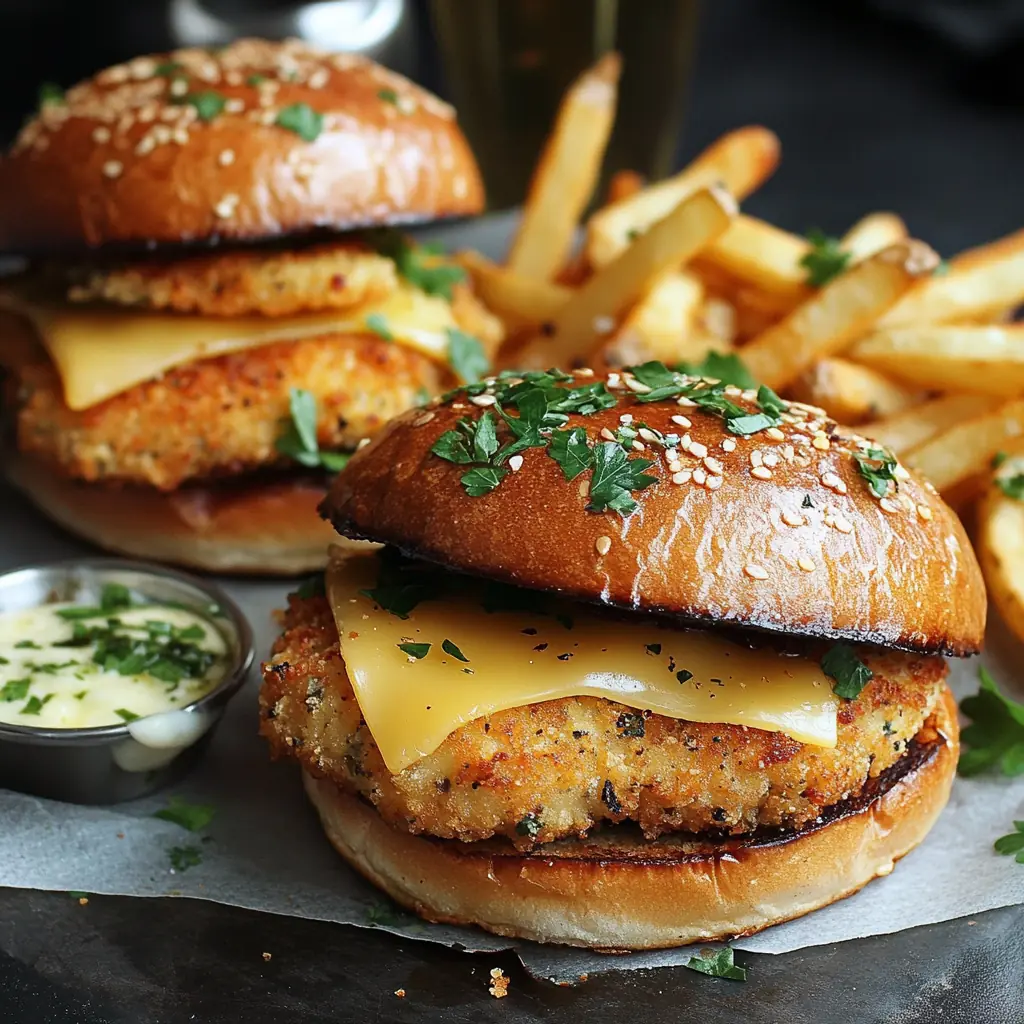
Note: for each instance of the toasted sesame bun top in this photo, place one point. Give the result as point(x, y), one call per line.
point(752, 512)
point(253, 141)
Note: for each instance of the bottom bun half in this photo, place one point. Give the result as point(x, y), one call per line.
point(618, 891)
point(259, 526)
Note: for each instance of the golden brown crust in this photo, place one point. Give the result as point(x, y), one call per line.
point(641, 895)
point(125, 157)
point(566, 765)
point(257, 526)
point(222, 416)
point(749, 551)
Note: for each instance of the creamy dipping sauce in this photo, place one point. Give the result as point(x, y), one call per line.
point(77, 666)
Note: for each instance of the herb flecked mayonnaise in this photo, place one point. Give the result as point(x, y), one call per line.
point(78, 666)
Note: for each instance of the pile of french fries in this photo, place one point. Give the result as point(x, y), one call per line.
point(919, 354)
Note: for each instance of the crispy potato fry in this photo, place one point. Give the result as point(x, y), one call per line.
point(841, 311)
point(764, 257)
point(1000, 536)
point(947, 357)
point(966, 447)
point(519, 301)
point(604, 297)
point(908, 429)
point(979, 282)
point(567, 172)
point(717, 319)
point(624, 184)
point(850, 393)
point(741, 161)
point(871, 234)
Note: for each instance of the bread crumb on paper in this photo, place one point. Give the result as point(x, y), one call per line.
point(499, 983)
point(267, 956)
point(84, 900)
point(400, 992)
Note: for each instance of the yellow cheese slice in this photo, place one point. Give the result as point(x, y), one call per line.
point(518, 658)
point(101, 352)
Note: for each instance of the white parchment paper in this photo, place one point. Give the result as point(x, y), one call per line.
point(265, 850)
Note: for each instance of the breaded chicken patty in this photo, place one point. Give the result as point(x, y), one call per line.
point(222, 416)
point(568, 764)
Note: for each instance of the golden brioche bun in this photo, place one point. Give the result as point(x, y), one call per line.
point(126, 158)
point(640, 894)
point(749, 552)
point(259, 526)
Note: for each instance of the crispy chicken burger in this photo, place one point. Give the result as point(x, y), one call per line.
point(644, 659)
point(193, 348)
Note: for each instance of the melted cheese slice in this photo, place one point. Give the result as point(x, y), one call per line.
point(518, 658)
point(101, 352)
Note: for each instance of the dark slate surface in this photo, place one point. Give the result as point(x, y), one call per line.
point(871, 117)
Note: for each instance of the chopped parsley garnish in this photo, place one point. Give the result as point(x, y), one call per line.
point(1011, 844)
point(609, 797)
point(727, 368)
point(15, 689)
point(876, 465)
point(28, 645)
point(848, 673)
point(208, 104)
point(114, 597)
point(808, 502)
point(570, 450)
point(942, 268)
point(126, 715)
point(388, 96)
point(255, 80)
point(683, 676)
point(401, 585)
point(482, 480)
point(995, 737)
point(416, 651)
point(50, 94)
point(1012, 486)
point(302, 119)
point(184, 857)
point(529, 826)
point(449, 648)
point(378, 323)
point(34, 705)
point(653, 648)
point(998, 459)
point(382, 913)
point(466, 356)
point(630, 723)
point(615, 476)
point(825, 260)
point(194, 817)
point(418, 264)
point(299, 441)
point(718, 963)
point(168, 69)
point(311, 586)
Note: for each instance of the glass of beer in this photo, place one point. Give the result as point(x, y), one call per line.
point(508, 62)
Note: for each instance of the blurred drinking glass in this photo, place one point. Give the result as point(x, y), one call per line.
point(508, 62)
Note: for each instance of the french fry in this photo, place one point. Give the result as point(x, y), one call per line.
point(1000, 547)
point(764, 257)
point(850, 393)
point(605, 296)
point(947, 357)
point(717, 319)
point(979, 283)
point(966, 448)
point(908, 429)
point(871, 234)
point(624, 184)
point(740, 161)
point(519, 301)
point(839, 312)
point(567, 172)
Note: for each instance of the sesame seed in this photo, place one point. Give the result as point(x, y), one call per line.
point(698, 450)
point(713, 482)
point(888, 505)
point(584, 488)
point(101, 134)
point(515, 463)
point(614, 380)
point(755, 572)
point(638, 446)
point(728, 445)
point(634, 385)
point(833, 483)
point(732, 391)
point(178, 87)
point(712, 465)
point(235, 105)
point(318, 79)
point(821, 442)
point(685, 442)
point(483, 400)
point(805, 563)
point(626, 418)
point(648, 435)
point(145, 145)
point(842, 524)
point(761, 473)
point(162, 134)
point(233, 78)
point(756, 458)
point(771, 460)
point(180, 136)
point(675, 466)
point(793, 519)
point(226, 158)
point(900, 472)
point(112, 168)
point(686, 403)
point(584, 371)
point(607, 434)
point(424, 418)
point(604, 325)
point(775, 434)
point(226, 207)
point(699, 477)
point(681, 421)
point(603, 545)
point(683, 476)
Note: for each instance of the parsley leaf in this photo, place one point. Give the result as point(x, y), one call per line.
point(416, 651)
point(485, 438)
point(482, 479)
point(194, 817)
point(299, 440)
point(825, 259)
point(876, 465)
point(466, 356)
point(15, 689)
point(1008, 845)
point(452, 446)
point(388, 96)
point(419, 265)
point(168, 68)
point(378, 323)
point(126, 715)
point(718, 963)
point(449, 648)
point(184, 857)
point(849, 674)
point(727, 368)
point(208, 104)
point(255, 80)
point(570, 450)
point(302, 119)
point(400, 587)
point(530, 826)
point(631, 723)
point(50, 94)
point(1012, 486)
point(615, 476)
point(34, 705)
point(995, 737)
